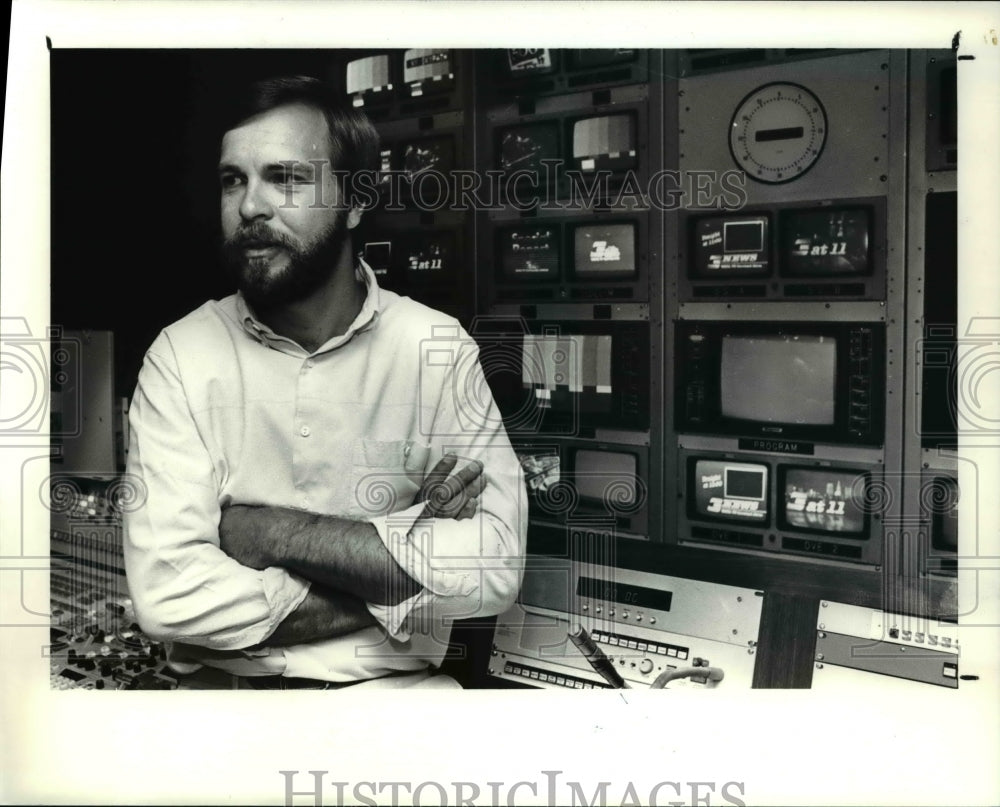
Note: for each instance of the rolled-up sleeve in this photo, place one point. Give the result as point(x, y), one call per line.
point(183, 586)
point(473, 567)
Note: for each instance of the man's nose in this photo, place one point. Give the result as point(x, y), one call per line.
point(254, 204)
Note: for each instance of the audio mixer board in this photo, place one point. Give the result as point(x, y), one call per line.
point(95, 641)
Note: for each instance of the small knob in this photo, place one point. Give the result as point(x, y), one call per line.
point(646, 666)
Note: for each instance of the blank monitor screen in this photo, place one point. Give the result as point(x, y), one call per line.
point(944, 526)
point(779, 378)
point(730, 246)
point(826, 243)
point(370, 73)
point(524, 147)
point(730, 490)
point(530, 253)
point(605, 476)
point(821, 500)
point(605, 141)
point(604, 251)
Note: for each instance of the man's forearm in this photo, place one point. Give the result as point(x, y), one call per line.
point(339, 553)
point(323, 614)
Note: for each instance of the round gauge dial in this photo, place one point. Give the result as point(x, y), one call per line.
point(777, 132)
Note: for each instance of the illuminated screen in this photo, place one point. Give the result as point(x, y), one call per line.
point(568, 371)
point(430, 258)
point(600, 57)
point(530, 253)
point(735, 491)
point(426, 64)
point(605, 476)
point(530, 61)
point(377, 255)
point(524, 147)
point(432, 154)
point(779, 379)
point(730, 246)
point(604, 250)
point(822, 243)
point(541, 468)
point(819, 500)
point(606, 141)
point(368, 74)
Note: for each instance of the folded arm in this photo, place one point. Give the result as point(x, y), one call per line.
point(346, 555)
point(323, 614)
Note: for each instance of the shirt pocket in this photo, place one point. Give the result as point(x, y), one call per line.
point(388, 474)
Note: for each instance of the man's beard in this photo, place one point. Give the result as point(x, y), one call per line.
point(306, 270)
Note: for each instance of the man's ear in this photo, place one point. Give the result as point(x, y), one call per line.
point(354, 217)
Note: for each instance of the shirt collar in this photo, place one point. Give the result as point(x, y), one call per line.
point(366, 318)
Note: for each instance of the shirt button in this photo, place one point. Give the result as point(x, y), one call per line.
point(309, 365)
point(304, 431)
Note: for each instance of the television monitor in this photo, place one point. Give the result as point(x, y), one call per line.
point(385, 163)
point(606, 478)
point(428, 154)
point(604, 251)
point(829, 501)
point(730, 246)
point(944, 519)
point(604, 142)
point(524, 146)
point(727, 490)
point(530, 62)
point(587, 58)
point(808, 381)
point(779, 378)
point(378, 255)
point(530, 253)
point(541, 468)
point(427, 70)
point(559, 378)
point(368, 79)
point(429, 258)
point(826, 242)
point(948, 106)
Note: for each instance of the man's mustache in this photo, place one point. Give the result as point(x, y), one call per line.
point(257, 236)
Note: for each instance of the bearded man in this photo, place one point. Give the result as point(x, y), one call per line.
point(329, 483)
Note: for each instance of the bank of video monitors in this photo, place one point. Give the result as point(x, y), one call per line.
point(798, 508)
point(575, 479)
point(535, 72)
point(786, 253)
point(567, 259)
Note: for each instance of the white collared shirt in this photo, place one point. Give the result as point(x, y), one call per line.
point(228, 412)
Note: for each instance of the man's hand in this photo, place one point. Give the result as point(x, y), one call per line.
point(451, 496)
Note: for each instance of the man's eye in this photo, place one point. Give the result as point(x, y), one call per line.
point(230, 180)
point(289, 178)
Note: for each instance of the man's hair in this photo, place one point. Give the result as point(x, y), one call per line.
point(354, 142)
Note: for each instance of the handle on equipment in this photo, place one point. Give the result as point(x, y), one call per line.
point(601, 663)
